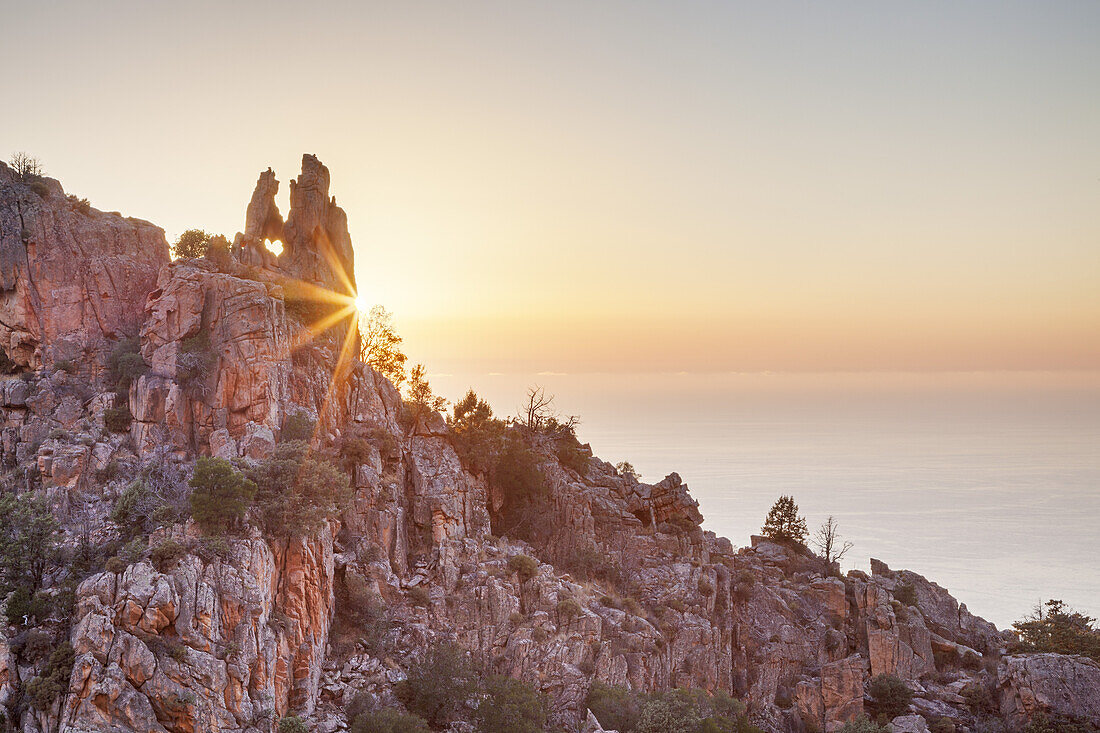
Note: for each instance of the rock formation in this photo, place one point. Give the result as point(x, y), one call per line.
point(624, 586)
point(70, 276)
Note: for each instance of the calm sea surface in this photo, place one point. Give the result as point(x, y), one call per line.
point(988, 484)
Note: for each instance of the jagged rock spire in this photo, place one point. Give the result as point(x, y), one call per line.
point(316, 244)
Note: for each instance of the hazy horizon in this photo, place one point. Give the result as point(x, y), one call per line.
point(983, 483)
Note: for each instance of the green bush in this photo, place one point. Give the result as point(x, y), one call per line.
point(863, 724)
point(943, 725)
point(1054, 627)
point(192, 243)
point(125, 365)
point(117, 419)
point(293, 724)
point(617, 708)
point(525, 566)
point(890, 696)
point(298, 492)
point(195, 359)
point(44, 689)
point(157, 498)
point(355, 450)
point(221, 495)
point(29, 542)
point(511, 706)
point(571, 455)
point(1041, 723)
point(438, 684)
point(478, 437)
point(568, 609)
point(388, 720)
point(906, 594)
point(166, 554)
point(784, 523)
point(297, 427)
point(673, 710)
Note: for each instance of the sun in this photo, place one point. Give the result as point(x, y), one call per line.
point(362, 304)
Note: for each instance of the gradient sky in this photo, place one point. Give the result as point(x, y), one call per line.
point(636, 186)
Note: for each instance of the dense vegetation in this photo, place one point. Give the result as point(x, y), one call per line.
point(691, 711)
point(1054, 627)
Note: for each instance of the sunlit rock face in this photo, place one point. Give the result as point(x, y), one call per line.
point(316, 246)
point(70, 275)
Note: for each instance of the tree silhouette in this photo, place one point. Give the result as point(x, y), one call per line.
point(783, 522)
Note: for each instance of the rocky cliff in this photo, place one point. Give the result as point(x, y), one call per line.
point(623, 586)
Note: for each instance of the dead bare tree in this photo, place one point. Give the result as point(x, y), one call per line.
point(26, 166)
point(828, 543)
point(537, 411)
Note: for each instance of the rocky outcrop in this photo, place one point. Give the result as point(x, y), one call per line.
point(218, 644)
point(1055, 685)
point(70, 275)
point(218, 348)
point(317, 244)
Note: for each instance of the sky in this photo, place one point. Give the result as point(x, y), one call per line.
point(620, 186)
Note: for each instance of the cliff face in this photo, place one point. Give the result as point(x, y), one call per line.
point(70, 276)
point(626, 588)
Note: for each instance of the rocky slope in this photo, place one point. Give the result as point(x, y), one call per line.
point(628, 589)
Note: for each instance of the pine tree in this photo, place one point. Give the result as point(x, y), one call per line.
point(783, 522)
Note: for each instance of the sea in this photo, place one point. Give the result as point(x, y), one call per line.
point(987, 483)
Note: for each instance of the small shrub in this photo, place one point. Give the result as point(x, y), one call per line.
point(890, 696)
point(617, 708)
point(569, 608)
point(167, 554)
point(1040, 723)
point(221, 495)
point(511, 706)
point(525, 566)
point(293, 724)
point(298, 492)
point(192, 243)
point(44, 689)
point(40, 189)
point(298, 426)
point(116, 565)
point(516, 619)
point(573, 456)
point(906, 593)
point(117, 419)
point(195, 358)
point(355, 450)
point(420, 596)
point(942, 725)
point(438, 684)
point(705, 587)
point(65, 365)
point(863, 724)
point(388, 720)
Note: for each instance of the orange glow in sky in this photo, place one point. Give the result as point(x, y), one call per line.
point(621, 186)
